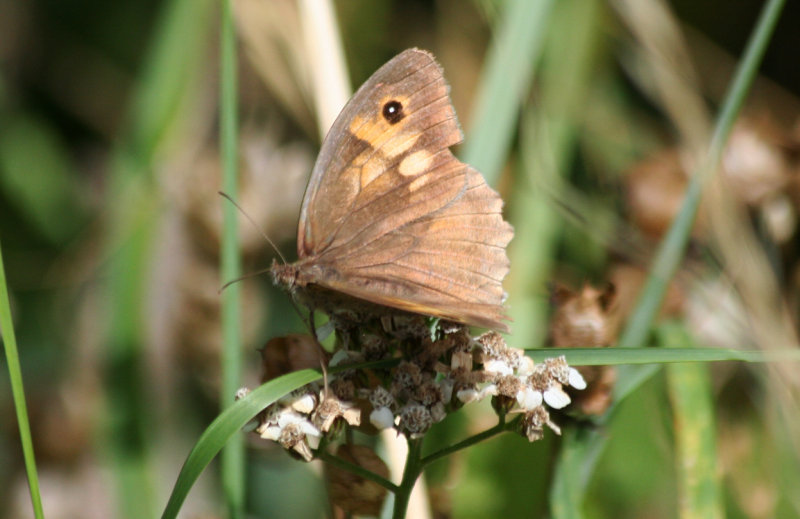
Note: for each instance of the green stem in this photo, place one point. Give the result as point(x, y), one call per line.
point(411, 473)
point(468, 442)
point(18, 393)
point(233, 454)
point(343, 464)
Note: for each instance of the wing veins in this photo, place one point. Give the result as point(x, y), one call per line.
point(449, 296)
point(433, 274)
point(378, 199)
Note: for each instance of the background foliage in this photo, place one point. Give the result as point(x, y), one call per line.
point(110, 227)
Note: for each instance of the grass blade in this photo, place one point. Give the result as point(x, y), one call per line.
point(18, 392)
point(633, 356)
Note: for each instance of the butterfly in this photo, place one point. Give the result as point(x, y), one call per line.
point(391, 220)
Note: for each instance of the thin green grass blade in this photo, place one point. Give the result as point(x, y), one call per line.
point(674, 245)
point(228, 424)
point(667, 260)
point(700, 492)
point(505, 83)
point(633, 356)
point(18, 392)
point(232, 461)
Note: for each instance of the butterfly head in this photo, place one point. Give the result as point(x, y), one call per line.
point(284, 275)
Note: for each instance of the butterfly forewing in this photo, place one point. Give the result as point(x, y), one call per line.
point(363, 145)
point(392, 217)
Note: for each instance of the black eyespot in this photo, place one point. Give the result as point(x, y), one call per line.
point(393, 112)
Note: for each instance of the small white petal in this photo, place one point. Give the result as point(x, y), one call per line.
point(525, 368)
point(309, 429)
point(556, 397)
point(467, 395)
point(304, 404)
point(302, 449)
point(352, 416)
point(576, 379)
point(529, 399)
point(273, 432)
point(288, 416)
point(497, 366)
point(381, 418)
point(313, 441)
point(489, 390)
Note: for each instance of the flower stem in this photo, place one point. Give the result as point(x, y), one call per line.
point(472, 440)
point(411, 472)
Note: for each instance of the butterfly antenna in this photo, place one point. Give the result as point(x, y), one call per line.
point(242, 278)
point(255, 225)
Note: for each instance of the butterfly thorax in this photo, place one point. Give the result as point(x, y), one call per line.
point(292, 276)
point(302, 280)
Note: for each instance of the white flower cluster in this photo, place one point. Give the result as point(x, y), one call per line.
point(520, 386)
point(438, 377)
point(298, 420)
point(419, 397)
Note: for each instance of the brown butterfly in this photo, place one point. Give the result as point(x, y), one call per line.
point(390, 217)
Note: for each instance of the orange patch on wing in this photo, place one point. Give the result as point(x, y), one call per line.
point(415, 163)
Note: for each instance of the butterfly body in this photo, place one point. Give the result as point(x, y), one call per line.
point(391, 218)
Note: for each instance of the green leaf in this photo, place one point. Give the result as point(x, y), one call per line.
point(228, 423)
point(695, 432)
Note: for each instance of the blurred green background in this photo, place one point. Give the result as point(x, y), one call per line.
point(110, 224)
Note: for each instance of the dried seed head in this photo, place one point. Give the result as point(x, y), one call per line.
point(508, 385)
point(344, 389)
point(428, 393)
point(584, 318)
point(374, 347)
point(557, 369)
point(380, 397)
point(532, 424)
point(332, 408)
point(415, 419)
point(407, 375)
point(291, 435)
point(492, 344)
